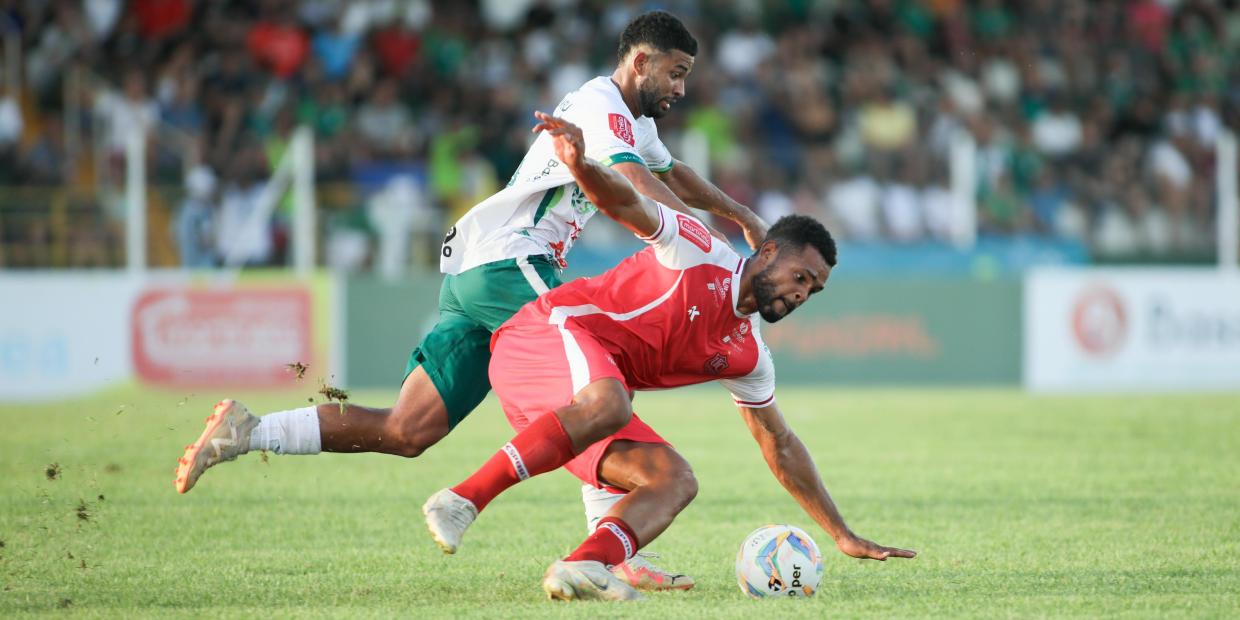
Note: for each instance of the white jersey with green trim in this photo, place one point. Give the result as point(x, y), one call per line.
point(542, 211)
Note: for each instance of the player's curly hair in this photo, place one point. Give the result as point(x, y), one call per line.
point(660, 29)
point(800, 231)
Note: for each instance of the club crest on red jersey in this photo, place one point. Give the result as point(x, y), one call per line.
point(621, 127)
point(716, 364)
point(694, 231)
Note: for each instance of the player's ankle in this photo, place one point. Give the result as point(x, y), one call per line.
point(288, 432)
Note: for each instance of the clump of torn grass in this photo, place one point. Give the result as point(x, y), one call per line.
point(336, 394)
point(297, 368)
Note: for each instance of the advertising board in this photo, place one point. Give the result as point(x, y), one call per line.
point(63, 334)
point(921, 331)
point(1132, 329)
point(242, 337)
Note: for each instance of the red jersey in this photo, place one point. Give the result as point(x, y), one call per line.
point(667, 315)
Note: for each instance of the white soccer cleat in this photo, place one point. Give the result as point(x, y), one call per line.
point(640, 573)
point(226, 437)
point(447, 517)
point(586, 580)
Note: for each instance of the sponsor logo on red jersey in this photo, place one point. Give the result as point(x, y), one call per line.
point(695, 232)
point(738, 335)
point(720, 288)
point(621, 127)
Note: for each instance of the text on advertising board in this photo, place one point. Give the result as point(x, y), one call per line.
point(241, 337)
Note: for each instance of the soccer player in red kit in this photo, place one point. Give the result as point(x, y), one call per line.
point(683, 311)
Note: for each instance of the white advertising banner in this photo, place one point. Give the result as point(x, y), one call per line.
point(64, 334)
point(1139, 329)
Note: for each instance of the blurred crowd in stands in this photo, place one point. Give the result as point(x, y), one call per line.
point(1093, 121)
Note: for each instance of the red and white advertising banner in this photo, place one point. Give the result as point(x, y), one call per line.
point(238, 337)
point(1131, 329)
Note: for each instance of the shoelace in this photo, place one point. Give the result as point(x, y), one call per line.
point(458, 513)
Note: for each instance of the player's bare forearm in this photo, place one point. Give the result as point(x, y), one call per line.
point(615, 197)
point(793, 466)
point(605, 188)
point(650, 186)
point(653, 188)
point(699, 193)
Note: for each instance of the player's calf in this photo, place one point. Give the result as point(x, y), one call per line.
point(638, 571)
point(418, 420)
point(354, 428)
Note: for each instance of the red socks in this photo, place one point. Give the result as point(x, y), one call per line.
point(612, 542)
point(542, 447)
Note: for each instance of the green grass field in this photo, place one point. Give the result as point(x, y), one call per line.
point(1019, 506)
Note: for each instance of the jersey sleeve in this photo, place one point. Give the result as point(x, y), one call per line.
point(682, 241)
point(608, 130)
point(658, 158)
point(756, 389)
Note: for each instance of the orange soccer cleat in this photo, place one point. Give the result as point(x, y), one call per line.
point(226, 437)
point(638, 572)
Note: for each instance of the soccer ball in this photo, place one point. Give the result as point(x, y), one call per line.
point(778, 561)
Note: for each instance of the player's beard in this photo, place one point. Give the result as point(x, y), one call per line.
point(648, 100)
point(764, 293)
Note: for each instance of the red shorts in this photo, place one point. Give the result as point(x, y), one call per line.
point(536, 369)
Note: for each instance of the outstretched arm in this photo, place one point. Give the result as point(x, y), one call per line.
point(606, 188)
point(795, 470)
point(680, 197)
point(702, 194)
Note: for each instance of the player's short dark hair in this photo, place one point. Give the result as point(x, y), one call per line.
point(801, 230)
point(660, 29)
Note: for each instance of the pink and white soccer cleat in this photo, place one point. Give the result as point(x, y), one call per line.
point(640, 573)
point(226, 437)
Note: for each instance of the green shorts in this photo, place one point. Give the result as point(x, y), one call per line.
point(473, 304)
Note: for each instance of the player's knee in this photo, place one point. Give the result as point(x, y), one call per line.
point(685, 486)
point(405, 442)
point(405, 446)
point(609, 409)
point(672, 478)
point(613, 414)
point(409, 437)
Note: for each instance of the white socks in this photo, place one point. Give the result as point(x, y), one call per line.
point(288, 432)
point(598, 502)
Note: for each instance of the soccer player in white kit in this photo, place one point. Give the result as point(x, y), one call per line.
point(502, 254)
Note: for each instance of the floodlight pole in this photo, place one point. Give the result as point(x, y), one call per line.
point(302, 152)
point(963, 162)
point(1228, 219)
point(135, 201)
